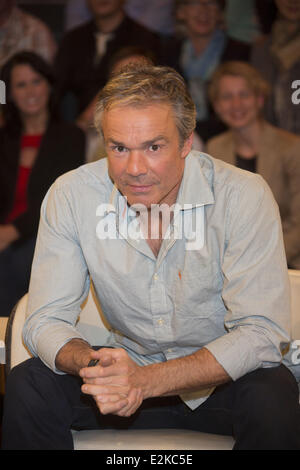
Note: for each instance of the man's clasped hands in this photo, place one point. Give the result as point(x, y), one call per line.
point(115, 382)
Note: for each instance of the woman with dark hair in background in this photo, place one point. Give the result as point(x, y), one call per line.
point(35, 148)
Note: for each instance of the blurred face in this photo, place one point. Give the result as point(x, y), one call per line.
point(30, 91)
point(289, 9)
point(145, 159)
point(104, 8)
point(201, 17)
point(236, 103)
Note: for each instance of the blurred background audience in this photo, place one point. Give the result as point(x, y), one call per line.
point(35, 148)
point(20, 30)
point(201, 47)
point(238, 93)
point(82, 61)
point(241, 20)
point(278, 59)
point(144, 12)
point(245, 114)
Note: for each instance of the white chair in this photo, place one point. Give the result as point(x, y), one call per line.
point(95, 328)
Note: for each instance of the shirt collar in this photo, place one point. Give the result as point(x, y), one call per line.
point(196, 186)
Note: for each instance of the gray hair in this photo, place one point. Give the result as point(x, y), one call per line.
point(141, 85)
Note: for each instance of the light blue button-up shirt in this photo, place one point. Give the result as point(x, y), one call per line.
point(228, 290)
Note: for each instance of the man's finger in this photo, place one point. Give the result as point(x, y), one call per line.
point(99, 389)
point(112, 407)
point(134, 402)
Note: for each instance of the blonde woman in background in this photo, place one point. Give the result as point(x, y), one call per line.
point(238, 93)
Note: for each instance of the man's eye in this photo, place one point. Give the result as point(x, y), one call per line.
point(119, 148)
point(154, 147)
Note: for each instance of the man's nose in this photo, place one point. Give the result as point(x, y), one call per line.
point(136, 164)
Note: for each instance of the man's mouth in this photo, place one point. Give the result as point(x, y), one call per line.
point(139, 188)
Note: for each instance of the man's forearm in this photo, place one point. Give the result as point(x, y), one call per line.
point(190, 373)
point(73, 356)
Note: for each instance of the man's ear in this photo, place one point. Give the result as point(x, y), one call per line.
point(187, 146)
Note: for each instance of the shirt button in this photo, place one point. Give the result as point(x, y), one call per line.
point(155, 277)
point(160, 321)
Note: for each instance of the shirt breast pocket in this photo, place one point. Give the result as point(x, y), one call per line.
point(199, 288)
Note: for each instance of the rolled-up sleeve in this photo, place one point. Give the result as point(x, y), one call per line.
point(59, 280)
point(256, 286)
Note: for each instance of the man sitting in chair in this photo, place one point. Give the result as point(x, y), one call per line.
point(186, 256)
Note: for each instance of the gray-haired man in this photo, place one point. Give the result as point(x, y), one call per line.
point(199, 312)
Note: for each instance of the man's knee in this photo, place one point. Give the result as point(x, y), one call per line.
point(20, 377)
point(267, 407)
point(269, 387)
point(24, 383)
point(37, 413)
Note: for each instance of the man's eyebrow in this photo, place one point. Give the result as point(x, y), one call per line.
point(155, 139)
point(147, 143)
point(115, 142)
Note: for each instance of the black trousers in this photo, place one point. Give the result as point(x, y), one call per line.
point(261, 410)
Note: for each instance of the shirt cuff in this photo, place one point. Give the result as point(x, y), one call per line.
point(236, 353)
point(51, 340)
